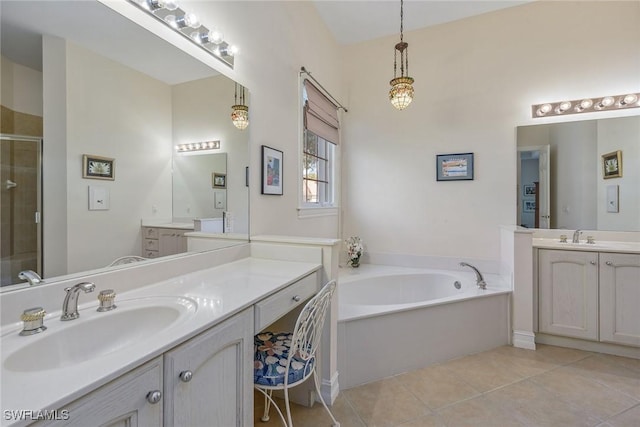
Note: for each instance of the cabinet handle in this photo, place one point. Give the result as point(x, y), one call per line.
point(186, 376)
point(154, 396)
point(296, 298)
point(592, 262)
point(609, 263)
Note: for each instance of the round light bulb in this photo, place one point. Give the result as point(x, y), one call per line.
point(607, 101)
point(586, 103)
point(545, 108)
point(191, 20)
point(233, 50)
point(632, 98)
point(171, 20)
point(216, 36)
point(170, 5)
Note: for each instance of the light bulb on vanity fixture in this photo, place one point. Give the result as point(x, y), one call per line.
point(239, 111)
point(188, 24)
point(401, 93)
point(586, 105)
point(197, 147)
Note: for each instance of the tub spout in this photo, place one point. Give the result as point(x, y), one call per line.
point(479, 279)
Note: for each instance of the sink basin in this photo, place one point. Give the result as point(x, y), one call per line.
point(97, 334)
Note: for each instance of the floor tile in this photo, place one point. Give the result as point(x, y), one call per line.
point(611, 373)
point(385, 403)
point(483, 372)
point(596, 398)
point(315, 416)
point(532, 405)
point(629, 418)
point(436, 386)
point(477, 412)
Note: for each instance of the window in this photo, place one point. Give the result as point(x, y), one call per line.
point(319, 140)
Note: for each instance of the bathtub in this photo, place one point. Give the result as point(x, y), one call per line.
point(395, 319)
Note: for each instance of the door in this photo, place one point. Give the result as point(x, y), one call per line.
point(534, 202)
point(543, 198)
point(20, 206)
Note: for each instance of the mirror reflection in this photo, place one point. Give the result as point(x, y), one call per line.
point(101, 86)
point(561, 178)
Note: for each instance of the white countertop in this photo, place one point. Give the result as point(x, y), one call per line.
point(218, 293)
point(598, 246)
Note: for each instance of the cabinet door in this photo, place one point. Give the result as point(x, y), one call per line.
point(122, 402)
point(167, 243)
point(219, 391)
point(620, 298)
point(568, 293)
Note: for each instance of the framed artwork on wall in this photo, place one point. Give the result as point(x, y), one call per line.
point(612, 165)
point(529, 205)
point(219, 180)
point(272, 171)
point(454, 167)
point(529, 190)
point(98, 167)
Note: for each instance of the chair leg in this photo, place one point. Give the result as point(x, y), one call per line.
point(269, 399)
point(286, 402)
point(315, 380)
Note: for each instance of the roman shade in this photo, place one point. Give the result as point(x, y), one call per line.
point(320, 114)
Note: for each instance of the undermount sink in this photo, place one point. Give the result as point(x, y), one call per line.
point(97, 334)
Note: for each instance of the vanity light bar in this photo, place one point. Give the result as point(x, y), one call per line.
point(198, 146)
point(587, 105)
point(187, 24)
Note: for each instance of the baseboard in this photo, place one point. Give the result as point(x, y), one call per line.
point(330, 389)
point(524, 339)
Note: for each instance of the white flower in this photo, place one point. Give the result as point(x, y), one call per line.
point(354, 247)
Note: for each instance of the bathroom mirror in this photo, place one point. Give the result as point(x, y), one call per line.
point(579, 196)
point(130, 97)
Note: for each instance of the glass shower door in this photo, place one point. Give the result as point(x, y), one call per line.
point(20, 206)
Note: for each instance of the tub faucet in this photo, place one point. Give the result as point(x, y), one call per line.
point(70, 304)
point(576, 236)
point(479, 279)
point(30, 276)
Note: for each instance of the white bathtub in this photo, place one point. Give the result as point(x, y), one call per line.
point(395, 319)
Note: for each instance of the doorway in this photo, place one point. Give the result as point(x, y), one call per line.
point(20, 206)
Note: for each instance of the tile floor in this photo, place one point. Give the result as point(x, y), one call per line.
point(552, 386)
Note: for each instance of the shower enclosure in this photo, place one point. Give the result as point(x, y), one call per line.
point(20, 206)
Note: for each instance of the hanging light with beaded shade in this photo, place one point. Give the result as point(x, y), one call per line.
point(240, 112)
point(401, 93)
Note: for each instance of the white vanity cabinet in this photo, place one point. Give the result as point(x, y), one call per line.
point(568, 293)
point(159, 241)
point(128, 401)
point(620, 298)
point(209, 379)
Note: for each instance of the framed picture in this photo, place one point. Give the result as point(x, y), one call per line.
point(97, 167)
point(454, 167)
point(219, 180)
point(612, 165)
point(529, 205)
point(271, 171)
point(529, 190)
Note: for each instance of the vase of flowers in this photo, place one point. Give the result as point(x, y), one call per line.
point(354, 251)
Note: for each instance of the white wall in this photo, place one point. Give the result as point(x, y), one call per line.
point(620, 134)
point(202, 112)
point(475, 82)
point(114, 111)
point(21, 88)
point(276, 38)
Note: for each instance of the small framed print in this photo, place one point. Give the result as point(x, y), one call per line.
point(612, 165)
point(529, 205)
point(219, 180)
point(454, 167)
point(98, 167)
point(271, 171)
point(529, 190)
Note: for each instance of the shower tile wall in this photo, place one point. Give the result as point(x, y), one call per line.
point(19, 164)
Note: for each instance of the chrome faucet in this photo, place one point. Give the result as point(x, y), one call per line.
point(30, 276)
point(576, 236)
point(479, 279)
point(70, 304)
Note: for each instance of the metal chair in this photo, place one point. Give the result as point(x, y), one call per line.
point(286, 359)
point(128, 259)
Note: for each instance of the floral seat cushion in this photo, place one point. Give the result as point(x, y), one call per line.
point(270, 361)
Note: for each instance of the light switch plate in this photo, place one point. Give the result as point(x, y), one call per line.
point(612, 198)
point(98, 198)
point(220, 199)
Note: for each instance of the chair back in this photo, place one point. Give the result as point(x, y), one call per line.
point(308, 329)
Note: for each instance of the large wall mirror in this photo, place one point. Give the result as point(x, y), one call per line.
point(561, 175)
point(103, 86)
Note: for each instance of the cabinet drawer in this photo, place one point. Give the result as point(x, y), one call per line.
point(151, 254)
point(150, 232)
point(277, 305)
point(151, 245)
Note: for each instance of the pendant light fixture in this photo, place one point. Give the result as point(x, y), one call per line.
point(240, 112)
point(401, 93)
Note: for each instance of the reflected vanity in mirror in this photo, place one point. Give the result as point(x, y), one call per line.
point(132, 97)
point(561, 182)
